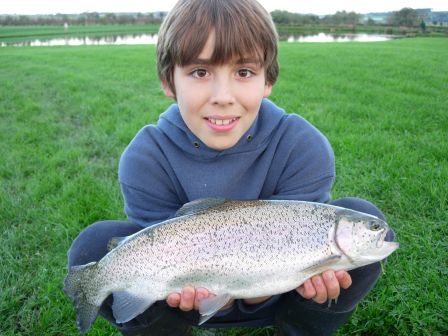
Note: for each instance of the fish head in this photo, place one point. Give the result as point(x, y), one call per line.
point(361, 237)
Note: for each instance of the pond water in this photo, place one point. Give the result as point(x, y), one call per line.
point(86, 40)
point(325, 38)
point(152, 39)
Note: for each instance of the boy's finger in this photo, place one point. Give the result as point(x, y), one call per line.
point(344, 278)
point(173, 300)
point(331, 284)
point(321, 290)
point(201, 293)
point(306, 290)
point(187, 298)
point(310, 290)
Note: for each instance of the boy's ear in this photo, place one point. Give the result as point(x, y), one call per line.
point(267, 90)
point(167, 90)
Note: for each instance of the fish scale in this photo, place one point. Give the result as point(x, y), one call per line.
point(235, 249)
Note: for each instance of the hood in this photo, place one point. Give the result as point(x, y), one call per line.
point(268, 119)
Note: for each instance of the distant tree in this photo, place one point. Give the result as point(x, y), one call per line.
point(423, 26)
point(371, 22)
point(280, 17)
point(343, 18)
point(287, 18)
point(407, 17)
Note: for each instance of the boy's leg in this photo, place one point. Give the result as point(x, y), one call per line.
point(91, 245)
point(298, 316)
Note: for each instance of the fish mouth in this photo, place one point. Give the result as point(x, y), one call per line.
point(386, 249)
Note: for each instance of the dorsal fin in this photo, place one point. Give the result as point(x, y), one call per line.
point(115, 242)
point(199, 205)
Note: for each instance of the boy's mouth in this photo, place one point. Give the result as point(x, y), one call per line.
point(221, 124)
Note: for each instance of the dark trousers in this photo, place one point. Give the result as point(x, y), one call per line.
point(292, 314)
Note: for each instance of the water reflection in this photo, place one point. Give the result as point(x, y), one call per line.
point(86, 40)
point(130, 39)
point(325, 37)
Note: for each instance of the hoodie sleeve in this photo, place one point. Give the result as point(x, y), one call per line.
point(308, 170)
point(145, 181)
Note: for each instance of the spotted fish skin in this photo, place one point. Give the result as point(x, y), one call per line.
point(235, 249)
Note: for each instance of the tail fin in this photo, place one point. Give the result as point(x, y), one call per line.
point(74, 288)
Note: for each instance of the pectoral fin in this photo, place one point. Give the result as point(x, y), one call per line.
point(322, 265)
point(209, 307)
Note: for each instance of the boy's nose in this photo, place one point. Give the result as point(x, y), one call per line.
point(222, 93)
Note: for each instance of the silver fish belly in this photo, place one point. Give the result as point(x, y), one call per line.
point(235, 249)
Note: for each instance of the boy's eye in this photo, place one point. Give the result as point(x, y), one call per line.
point(245, 73)
point(199, 73)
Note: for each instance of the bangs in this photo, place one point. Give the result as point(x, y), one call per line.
point(231, 44)
point(237, 33)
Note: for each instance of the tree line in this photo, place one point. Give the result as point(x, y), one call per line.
point(407, 17)
point(82, 19)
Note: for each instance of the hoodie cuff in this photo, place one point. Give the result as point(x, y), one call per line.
point(225, 312)
point(253, 308)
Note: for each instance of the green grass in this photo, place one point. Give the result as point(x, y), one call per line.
point(67, 113)
point(20, 31)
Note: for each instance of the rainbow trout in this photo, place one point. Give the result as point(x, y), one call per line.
point(235, 249)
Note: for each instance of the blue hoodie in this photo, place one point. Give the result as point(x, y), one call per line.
point(281, 156)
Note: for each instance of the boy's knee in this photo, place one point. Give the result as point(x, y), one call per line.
point(91, 244)
point(359, 204)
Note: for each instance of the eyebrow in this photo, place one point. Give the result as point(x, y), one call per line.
point(208, 61)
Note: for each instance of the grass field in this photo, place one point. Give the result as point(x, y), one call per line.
point(26, 31)
point(67, 113)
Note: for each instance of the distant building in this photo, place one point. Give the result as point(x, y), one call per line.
point(440, 18)
point(377, 17)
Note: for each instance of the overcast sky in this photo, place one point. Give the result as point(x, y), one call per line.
point(316, 7)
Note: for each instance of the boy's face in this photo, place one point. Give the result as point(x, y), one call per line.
point(219, 103)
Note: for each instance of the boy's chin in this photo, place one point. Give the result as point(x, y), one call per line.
point(220, 144)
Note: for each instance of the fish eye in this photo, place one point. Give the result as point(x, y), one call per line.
point(375, 226)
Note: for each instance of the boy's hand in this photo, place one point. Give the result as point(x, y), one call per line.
point(320, 288)
point(190, 297)
point(325, 286)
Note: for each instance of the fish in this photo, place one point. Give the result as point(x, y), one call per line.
point(235, 248)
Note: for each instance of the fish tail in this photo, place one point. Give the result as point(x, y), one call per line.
point(75, 288)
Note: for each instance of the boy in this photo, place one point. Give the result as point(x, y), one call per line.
point(218, 60)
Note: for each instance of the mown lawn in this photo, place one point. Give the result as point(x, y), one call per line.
point(67, 113)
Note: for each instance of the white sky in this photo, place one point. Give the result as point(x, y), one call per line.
point(298, 6)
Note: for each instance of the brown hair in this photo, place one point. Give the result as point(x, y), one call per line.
point(242, 28)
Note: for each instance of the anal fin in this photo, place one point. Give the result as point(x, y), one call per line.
point(210, 306)
point(128, 305)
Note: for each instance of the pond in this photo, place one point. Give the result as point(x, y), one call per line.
point(152, 39)
point(85, 40)
point(326, 37)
